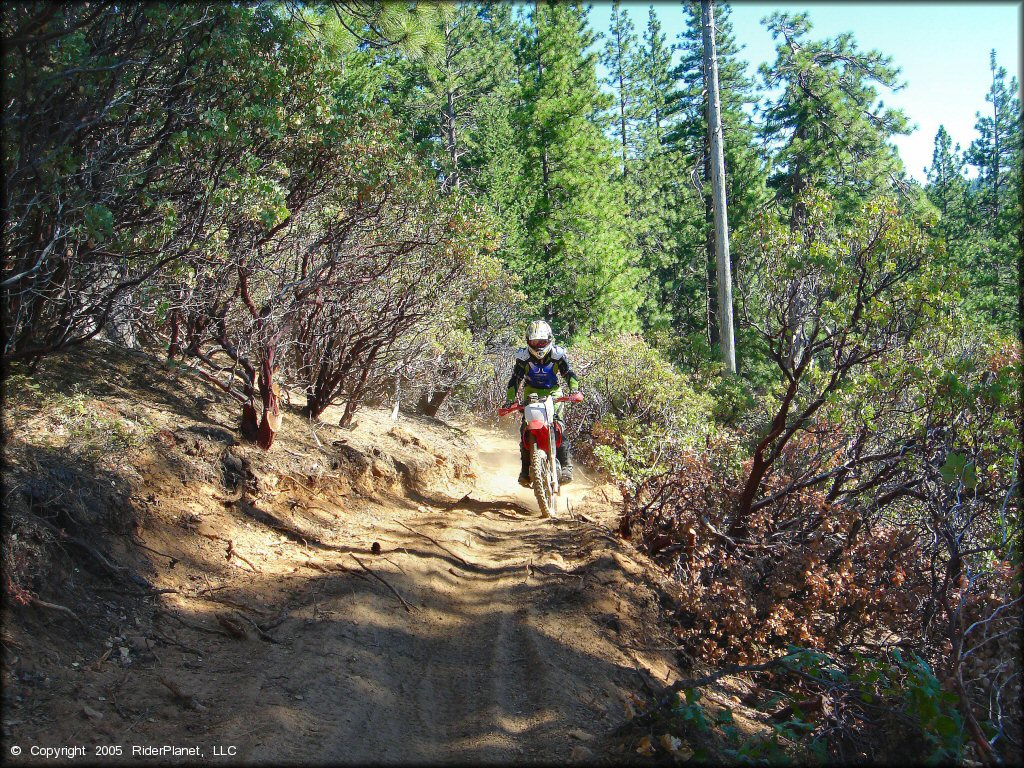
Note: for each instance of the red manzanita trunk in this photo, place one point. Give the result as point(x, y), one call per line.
point(270, 393)
point(263, 429)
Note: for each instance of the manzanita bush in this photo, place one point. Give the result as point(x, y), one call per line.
point(876, 506)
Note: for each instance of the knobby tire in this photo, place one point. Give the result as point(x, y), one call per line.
point(543, 488)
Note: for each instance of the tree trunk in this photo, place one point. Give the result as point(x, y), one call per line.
point(270, 394)
point(430, 403)
point(724, 272)
point(711, 284)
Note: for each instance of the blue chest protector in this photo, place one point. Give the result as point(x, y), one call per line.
point(541, 376)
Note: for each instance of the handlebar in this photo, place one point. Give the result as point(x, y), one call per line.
point(515, 408)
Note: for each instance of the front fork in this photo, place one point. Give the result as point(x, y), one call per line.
point(551, 458)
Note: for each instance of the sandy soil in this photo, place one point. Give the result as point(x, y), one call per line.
point(435, 620)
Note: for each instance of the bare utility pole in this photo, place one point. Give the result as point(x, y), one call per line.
point(718, 188)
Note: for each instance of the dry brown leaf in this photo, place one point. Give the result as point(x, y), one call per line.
point(630, 710)
point(645, 747)
point(675, 747)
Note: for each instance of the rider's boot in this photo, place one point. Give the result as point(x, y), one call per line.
point(564, 457)
point(524, 471)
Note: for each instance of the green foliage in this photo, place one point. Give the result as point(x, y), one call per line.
point(580, 267)
point(903, 712)
point(689, 712)
point(683, 258)
point(827, 120)
point(638, 409)
point(980, 220)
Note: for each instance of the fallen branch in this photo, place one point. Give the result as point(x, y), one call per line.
point(232, 625)
point(228, 601)
point(139, 593)
point(408, 606)
point(643, 679)
point(278, 620)
point(263, 635)
point(306, 488)
point(54, 607)
point(540, 569)
point(235, 552)
point(118, 571)
point(812, 704)
point(435, 541)
point(315, 435)
point(95, 666)
point(183, 646)
point(650, 647)
point(173, 560)
point(196, 627)
point(227, 501)
point(267, 519)
point(180, 696)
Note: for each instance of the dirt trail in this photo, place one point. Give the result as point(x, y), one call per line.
point(511, 650)
point(495, 661)
point(477, 631)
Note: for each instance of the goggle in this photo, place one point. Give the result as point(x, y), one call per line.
point(538, 343)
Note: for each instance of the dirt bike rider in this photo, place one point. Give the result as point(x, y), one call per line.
point(539, 363)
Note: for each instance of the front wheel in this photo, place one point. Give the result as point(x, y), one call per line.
point(543, 487)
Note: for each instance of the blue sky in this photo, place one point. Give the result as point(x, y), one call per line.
point(941, 48)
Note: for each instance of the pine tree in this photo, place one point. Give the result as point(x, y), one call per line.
point(948, 188)
point(655, 68)
point(993, 152)
point(442, 94)
point(827, 121)
point(581, 269)
point(619, 58)
point(687, 112)
point(663, 206)
point(995, 251)
point(497, 156)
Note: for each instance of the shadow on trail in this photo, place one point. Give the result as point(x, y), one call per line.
point(502, 673)
point(499, 506)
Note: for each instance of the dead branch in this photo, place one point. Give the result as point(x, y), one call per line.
point(234, 552)
point(435, 541)
point(226, 601)
point(306, 488)
point(278, 620)
point(260, 631)
point(180, 696)
point(179, 644)
point(54, 607)
point(232, 625)
point(173, 561)
point(227, 501)
point(406, 603)
point(196, 627)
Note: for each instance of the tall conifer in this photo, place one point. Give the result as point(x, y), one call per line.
point(581, 272)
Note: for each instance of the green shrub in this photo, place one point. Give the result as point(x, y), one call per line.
point(638, 407)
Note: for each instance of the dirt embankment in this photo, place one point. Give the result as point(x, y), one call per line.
point(385, 593)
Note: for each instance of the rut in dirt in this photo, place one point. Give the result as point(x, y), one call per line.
point(509, 649)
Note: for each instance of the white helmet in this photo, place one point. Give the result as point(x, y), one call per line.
point(539, 339)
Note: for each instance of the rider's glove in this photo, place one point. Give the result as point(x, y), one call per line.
point(575, 397)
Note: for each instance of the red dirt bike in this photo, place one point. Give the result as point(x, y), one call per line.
point(541, 437)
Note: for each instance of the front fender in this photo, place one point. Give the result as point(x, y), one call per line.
point(539, 431)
